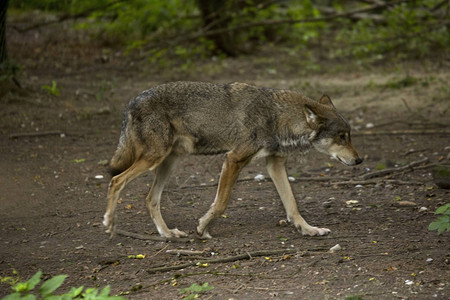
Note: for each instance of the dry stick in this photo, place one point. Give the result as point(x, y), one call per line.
point(392, 170)
point(247, 255)
point(184, 252)
point(34, 134)
point(146, 237)
point(375, 181)
point(402, 132)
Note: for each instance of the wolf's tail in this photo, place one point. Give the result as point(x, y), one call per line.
point(124, 156)
point(122, 159)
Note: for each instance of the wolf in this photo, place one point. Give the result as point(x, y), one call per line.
point(166, 122)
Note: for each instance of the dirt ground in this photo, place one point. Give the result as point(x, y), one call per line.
point(53, 148)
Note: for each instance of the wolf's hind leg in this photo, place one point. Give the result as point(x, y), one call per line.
point(153, 199)
point(277, 171)
point(116, 186)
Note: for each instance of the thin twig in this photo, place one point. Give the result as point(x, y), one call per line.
point(393, 170)
point(375, 181)
point(34, 134)
point(147, 237)
point(184, 252)
point(403, 132)
point(247, 255)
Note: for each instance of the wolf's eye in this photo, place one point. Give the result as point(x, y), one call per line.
point(342, 136)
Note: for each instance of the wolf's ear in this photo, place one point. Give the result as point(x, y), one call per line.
point(312, 119)
point(325, 100)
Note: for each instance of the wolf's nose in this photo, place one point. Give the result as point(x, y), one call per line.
point(358, 160)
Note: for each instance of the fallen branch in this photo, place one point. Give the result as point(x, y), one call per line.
point(184, 252)
point(146, 237)
point(247, 255)
point(375, 181)
point(402, 132)
point(393, 170)
point(34, 134)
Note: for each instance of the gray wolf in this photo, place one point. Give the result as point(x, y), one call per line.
point(168, 121)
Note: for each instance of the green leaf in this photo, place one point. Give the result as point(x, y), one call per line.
point(441, 224)
point(444, 209)
point(28, 285)
point(55, 297)
point(74, 292)
point(48, 287)
point(13, 296)
point(105, 291)
point(33, 281)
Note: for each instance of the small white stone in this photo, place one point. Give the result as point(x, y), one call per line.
point(291, 178)
point(429, 260)
point(336, 247)
point(422, 209)
point(370, 125)
point(359, 186)
point(259, 177)
point(409, 282)
point(98, 176)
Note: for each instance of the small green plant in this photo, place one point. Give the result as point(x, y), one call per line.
point(11, 280)
point(443, 222)
point(53, 89)
point(25, 290)
point(353, 297)
point(380, 166)
point(195, 290)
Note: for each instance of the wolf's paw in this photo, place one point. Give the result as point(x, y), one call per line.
point(311, 230)
point(176, 233)
point(108, 222)
point(203, 235)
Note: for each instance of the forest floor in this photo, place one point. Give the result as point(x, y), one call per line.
point(52, 199)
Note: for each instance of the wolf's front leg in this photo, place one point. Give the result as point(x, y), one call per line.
point(277, 171)
point(230, 171)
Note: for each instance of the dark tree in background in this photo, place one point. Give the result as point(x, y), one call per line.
point(216, 14)
point(3, 50)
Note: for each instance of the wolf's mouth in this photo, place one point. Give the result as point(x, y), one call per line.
point(343, 162)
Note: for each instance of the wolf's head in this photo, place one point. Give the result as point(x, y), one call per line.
point(331, 132)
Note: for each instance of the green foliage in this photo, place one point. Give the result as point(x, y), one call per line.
point(410, 29)
point(53, 89)
point(353, 297)
point(443, 222)
point(164, 30)
point(380, 166)
point(195, 290)
point(25, 290)
point(403, 82)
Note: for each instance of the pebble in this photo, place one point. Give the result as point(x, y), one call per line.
point(429, 260)
point(336, 247)
point(259, 177)
point(98, 176)
point(291, 178)
point(422, 209)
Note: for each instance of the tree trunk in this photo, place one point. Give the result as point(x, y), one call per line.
point(216, 14)
point(3, 49)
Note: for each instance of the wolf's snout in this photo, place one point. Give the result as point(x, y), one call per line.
point(358, 160)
